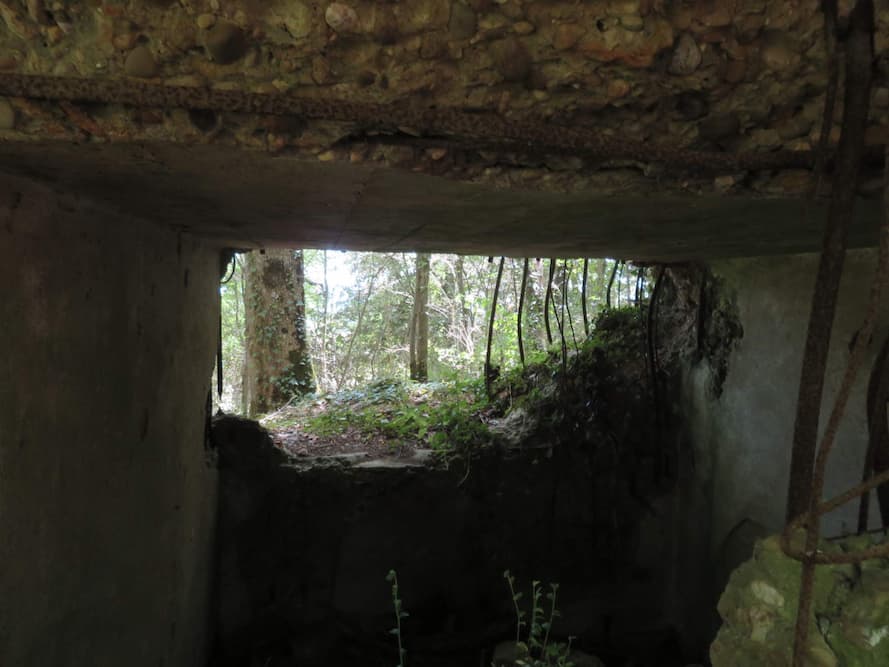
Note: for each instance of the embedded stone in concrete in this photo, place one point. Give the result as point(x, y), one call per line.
point(719, 126)
point(341, 17)
point(523, 28)
point(512, 59)
point(779, 50)
point(140, 62)
point(692, 105)
point(632, 22)
point(566, 35)
point(686, 56)
point(734, 71)
point(206, 21)
point(226, 43)
point(7, 115)
point(297, 18)
point(463, 22)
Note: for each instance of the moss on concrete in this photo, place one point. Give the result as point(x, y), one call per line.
point(851, 603)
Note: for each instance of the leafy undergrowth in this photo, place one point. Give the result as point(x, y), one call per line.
point(601, 388)
point(388, 417)
point(601, 384)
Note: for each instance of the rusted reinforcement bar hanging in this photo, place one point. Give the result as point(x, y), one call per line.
point(805, 506)
point(858, 65)
point(491, 130)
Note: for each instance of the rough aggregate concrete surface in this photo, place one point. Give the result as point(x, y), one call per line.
point(722, 77)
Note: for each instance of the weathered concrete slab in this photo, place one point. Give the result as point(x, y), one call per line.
point(526, 128)
point(247, 198)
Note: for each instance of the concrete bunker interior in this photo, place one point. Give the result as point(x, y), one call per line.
point(140, 141)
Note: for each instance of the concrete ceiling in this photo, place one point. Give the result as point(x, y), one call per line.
point(637, 129)
point(247, 198)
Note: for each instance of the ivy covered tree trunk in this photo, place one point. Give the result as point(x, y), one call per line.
point(277, 364)
point(419, 329)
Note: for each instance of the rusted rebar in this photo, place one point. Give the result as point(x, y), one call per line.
point(488, 129)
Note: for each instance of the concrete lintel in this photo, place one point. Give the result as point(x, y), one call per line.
point(246, 198)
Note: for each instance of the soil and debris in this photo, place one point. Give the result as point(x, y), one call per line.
point(388, 419)
point(600, 390)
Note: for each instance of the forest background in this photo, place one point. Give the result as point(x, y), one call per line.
point(346, 319)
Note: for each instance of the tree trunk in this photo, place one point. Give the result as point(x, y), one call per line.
point(278, 365)
point(419, 330)
point(323, 378)
point(245, 365)
point(521, 306)
point(346, 362)
point(466, 323)
point(602, 283)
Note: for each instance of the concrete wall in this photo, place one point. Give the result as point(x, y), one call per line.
point(107, 504)
point(743, 438)
point(304, 548)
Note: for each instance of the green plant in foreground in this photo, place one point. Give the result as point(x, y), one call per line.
point(537, 651)
point(392, 578)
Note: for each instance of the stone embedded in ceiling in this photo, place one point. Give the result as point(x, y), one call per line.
point(663, 72)
point(722, 77)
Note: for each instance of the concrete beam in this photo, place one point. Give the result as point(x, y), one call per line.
point(247, 199)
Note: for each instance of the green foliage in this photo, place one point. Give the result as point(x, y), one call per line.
point(400, 614)
point(537, 650)
point(233, 338)
point(593, 397)
point(358, 309)
point(520, 386)
point(618, 331)
point(445, 416)
point(450, 416)
point(297, 380)
point(359, 330)
point(456, 425)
